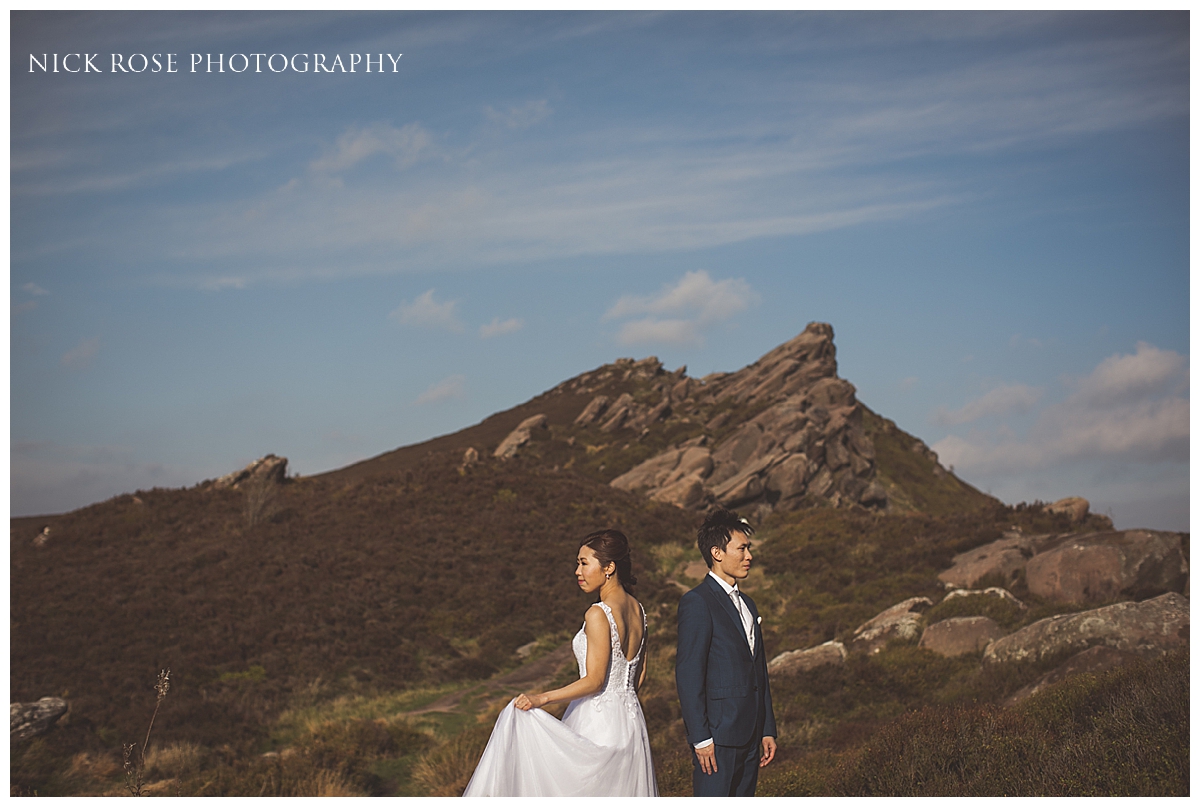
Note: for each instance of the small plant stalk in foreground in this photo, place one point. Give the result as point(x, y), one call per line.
point(134, 773)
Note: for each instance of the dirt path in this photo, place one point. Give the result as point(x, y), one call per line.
point(510, 683)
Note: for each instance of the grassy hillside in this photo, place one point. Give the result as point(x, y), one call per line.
point(358, 631)
point(363, 639)
point(347, 587)
point(914, 480)
point(820, 574)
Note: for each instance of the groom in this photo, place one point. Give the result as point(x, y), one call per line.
point(721, 667)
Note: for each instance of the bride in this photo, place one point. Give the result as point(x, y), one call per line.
point(600, 747)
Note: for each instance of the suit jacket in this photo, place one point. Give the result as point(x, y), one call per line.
point(723, 688)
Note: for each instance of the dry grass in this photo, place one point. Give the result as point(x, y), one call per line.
point(325, 783)
point(93, 765)
point(176, 760)
point(446, 770)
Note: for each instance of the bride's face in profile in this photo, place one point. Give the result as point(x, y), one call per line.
point(589, 573)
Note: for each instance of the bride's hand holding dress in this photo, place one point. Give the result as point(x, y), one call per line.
point(595, 627)
point(600, 747)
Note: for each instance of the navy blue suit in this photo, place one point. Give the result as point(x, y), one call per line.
point(723, 688)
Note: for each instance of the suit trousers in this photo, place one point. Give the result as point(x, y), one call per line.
point(736, 775)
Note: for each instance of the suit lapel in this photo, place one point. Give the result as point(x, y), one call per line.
point(724, 603)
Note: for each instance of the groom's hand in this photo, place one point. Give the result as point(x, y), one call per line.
point(708, 758)
point(768, 753)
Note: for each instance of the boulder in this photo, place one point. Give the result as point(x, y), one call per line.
point(718, 420)
point(795, 661)
point(1075, 507)
point(648, 367)
point(873, 496)
point(660, 411)
point(689, 460)
point(519, 436)
point(687, 493)
point(618, 413)
point(1100, 567)
point(1005, 558)
point(958, 636)
point(592, 412)
point(1093, 660)
point(682, 389)
point(902, 621)
point(27, 720)
point(790, 476)
point(1147, 628)
point(993, 591)
point(470, 457)
point(269, 468)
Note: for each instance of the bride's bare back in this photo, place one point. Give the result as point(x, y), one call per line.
point(627, 614)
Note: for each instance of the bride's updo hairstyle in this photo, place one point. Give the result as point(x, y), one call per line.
point(611, 546)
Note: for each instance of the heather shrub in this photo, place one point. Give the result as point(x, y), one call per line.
point(331, 758)
point(1003, 612)
point(1123, 733)
point(32, 765)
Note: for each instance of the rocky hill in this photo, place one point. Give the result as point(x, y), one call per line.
point(783, 433)
point(355, 632)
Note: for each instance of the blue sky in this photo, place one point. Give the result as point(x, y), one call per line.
point(991, 210)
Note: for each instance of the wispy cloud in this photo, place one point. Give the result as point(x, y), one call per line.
point(1002, 400)
point(1131, 408)
point(498, 328)
point(1121, 379)
point(29, 305)
point(520, 117)
point(837, 154)
point(223, 282)
point(444, 390)
point(82, 354)
point(1018, 340)
point(426, 312)
point(404, 146)
point(680, 313)
point(83, 182)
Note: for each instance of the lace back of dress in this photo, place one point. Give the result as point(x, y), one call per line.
point(621, 671)
point(620, 679)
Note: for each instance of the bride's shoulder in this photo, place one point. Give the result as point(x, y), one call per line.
point(595, 618)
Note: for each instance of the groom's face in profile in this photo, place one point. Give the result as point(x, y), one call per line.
point(733, 563)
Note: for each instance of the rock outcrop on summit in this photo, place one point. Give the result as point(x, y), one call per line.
point(788, 432)
point(267, 469)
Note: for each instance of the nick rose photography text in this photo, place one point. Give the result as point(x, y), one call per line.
point(215, 63)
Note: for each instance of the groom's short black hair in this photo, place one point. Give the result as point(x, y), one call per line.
point(717, 529)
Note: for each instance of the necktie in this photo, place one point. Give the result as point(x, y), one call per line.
point(744, 614)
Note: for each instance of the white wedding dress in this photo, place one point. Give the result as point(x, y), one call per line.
point(599, 748)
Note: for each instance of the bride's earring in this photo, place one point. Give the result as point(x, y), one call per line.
point(607, 575)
